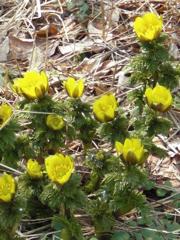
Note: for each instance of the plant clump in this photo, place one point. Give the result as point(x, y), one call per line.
point(50, 181)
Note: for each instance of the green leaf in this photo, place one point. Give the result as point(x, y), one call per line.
point(132, 224)
point(161, 192)
point(157, 151)
point(159, 125)
point(120, 236)
point(138, 236)
point(147, 234)
point(57, 223)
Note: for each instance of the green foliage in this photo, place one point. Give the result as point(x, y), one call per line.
point(120, 236)
point(11, 214)
point(100, 163)
point(115, 130)
point(8, 150)
point(159, 125)
point(109, 188)
point(101, 214)
point(69, 228)
point(80, 118)
point(154, 65)
point(80, 7)
point(69, 195)
point(8, 236)
point(124, 190)
point(158, 151)
point(30, 189)
point(157, 228)
point(43, 138)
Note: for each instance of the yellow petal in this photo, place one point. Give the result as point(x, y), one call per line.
point(148, 27)
point(34, 169)
point(159, 98)
point(6, 198)
point(44, 80)
point(136, 143)
point(32, 86)
point(7, 187)
point(104, 108)
point(59, 168)
point(76, 92)
point(55, 122)
point(119, 147)
point(133, 151)
point(5, 113)
point(148, 95)
point(109, 114)
point(127, 147)
point(79, 89)
point(69, 86)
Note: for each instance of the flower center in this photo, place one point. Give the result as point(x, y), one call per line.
point(60, 171)
point(5, 189)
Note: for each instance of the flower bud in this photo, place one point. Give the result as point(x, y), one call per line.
point(159, 98)
point(55, 122)
point(104, 108)
point(32, 86)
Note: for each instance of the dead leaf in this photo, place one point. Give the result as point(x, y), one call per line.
point(36, 59)
point(4, 50)
point(112, 14)
point(99, 30)
point(20, 48)
point(23, 48)
point(174, 51)
point(86, 65)
point(85, 45)
point(48, 30)
point(123, 78)
point(100, 89)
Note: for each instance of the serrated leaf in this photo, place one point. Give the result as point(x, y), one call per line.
point(138, 236)
point(147, 234)
point(157, 151)
point(161, 192)
point(159, 125)
point(120, 236)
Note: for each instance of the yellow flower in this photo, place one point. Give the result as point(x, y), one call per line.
point(5, 113)
point(159, 98)
point(32, 86)
point(34, 169)
point(55, 122)
point(74, 88)
point(104, 108)
point(132, 151)
point(59, 168)
point(148, 27)
point(7, 187)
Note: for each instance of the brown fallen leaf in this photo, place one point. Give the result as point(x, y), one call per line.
point(47, 31)
point(79, 47)
point(4, 50)
point(19, 48)
point(23, 48)
point(100, 89)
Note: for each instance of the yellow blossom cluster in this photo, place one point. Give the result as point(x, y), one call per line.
point(32, 86)
point(148, 27)
point(7, 187)
point(59, 168)
point(5, 113)
point(132, 151)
